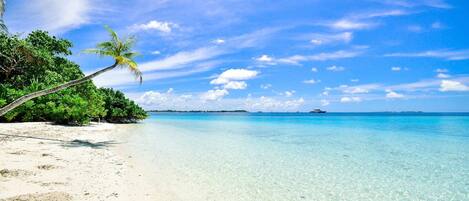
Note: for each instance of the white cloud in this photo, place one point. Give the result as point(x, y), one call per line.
point(441, 70)
point(415, 3)
point(156, 52)
point(234, 74)
point(56, 16)
point(450, 85)
point(356, 90)
point(335, 68)
point(355, 80)
point(424, 85)
point(348, 24)
point(213, 100)
point(393, 95)
point(314, 69)
point(325, 102)
point(289, 93)
point(266, 86)
point(264, 58)
point(443, 76)
point(236, 85)
point(215, 94)
point(182, 59)
point(321, 39)
point(296, 59)
point(165, 27)
point(350, 99)
point(218, 41)
point(311, 81)
point(119, 77)
point(272, 104)
point(440, 54)
point(396, 68)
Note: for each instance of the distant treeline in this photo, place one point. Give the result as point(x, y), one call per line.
point(200, 111)
point(39, 61)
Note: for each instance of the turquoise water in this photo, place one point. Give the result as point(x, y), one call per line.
point(289, 157)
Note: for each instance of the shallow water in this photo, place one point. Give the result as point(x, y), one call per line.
point(289, 157)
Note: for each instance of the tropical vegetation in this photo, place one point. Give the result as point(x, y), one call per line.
point(39, 83)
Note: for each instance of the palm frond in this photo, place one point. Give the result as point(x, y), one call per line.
point(120, 50)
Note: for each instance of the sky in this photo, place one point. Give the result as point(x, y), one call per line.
point(259, 55)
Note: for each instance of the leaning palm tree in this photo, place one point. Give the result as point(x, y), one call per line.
point(3, 27)
point(120, 50)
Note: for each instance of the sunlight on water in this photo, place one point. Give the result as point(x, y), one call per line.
point(299, 157)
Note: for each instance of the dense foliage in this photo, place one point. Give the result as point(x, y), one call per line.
point(39, 62)
point(120, 109)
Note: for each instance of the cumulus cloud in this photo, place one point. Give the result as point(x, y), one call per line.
point(441, 70)
point(230, 79)
point(450, 85)
point(165, 27)
point(236, 85)
point(213, 100)
point(289, 93)
point(393, 95)
point(215, 94)
point(234, 75)
point(271, 104)
point(335, 68)
point(315, 70)
point(350, 99)
point(264, 58)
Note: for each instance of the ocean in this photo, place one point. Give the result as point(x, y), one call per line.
point(300, 156)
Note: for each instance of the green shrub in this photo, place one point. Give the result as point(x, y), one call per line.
point(120, 109)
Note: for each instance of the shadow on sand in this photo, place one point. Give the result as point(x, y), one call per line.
point(66, 143)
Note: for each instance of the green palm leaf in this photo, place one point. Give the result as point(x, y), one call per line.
point(120, 50)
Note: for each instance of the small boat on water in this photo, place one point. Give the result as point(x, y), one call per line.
point(318, 111)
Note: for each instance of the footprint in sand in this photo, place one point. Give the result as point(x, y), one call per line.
point(14, 173)
point(52, 196)
point(47, 167)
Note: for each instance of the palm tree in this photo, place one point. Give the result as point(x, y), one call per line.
point(3, 27)
point(120, 50)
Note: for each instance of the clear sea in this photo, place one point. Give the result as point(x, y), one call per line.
point(296, 156)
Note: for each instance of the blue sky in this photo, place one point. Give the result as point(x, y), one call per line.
point(369, 55)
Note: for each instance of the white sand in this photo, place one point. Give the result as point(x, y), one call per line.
point(47, 164)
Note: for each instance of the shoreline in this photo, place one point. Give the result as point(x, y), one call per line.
point(53, 162)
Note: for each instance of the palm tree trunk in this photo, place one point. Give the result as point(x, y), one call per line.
point(44, 92)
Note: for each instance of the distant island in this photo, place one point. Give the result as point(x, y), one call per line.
point(201, 111)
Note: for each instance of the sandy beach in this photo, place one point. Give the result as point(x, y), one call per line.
point(41, 161)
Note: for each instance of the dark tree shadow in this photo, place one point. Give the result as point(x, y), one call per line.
point(67, 143)
point(86, 143)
